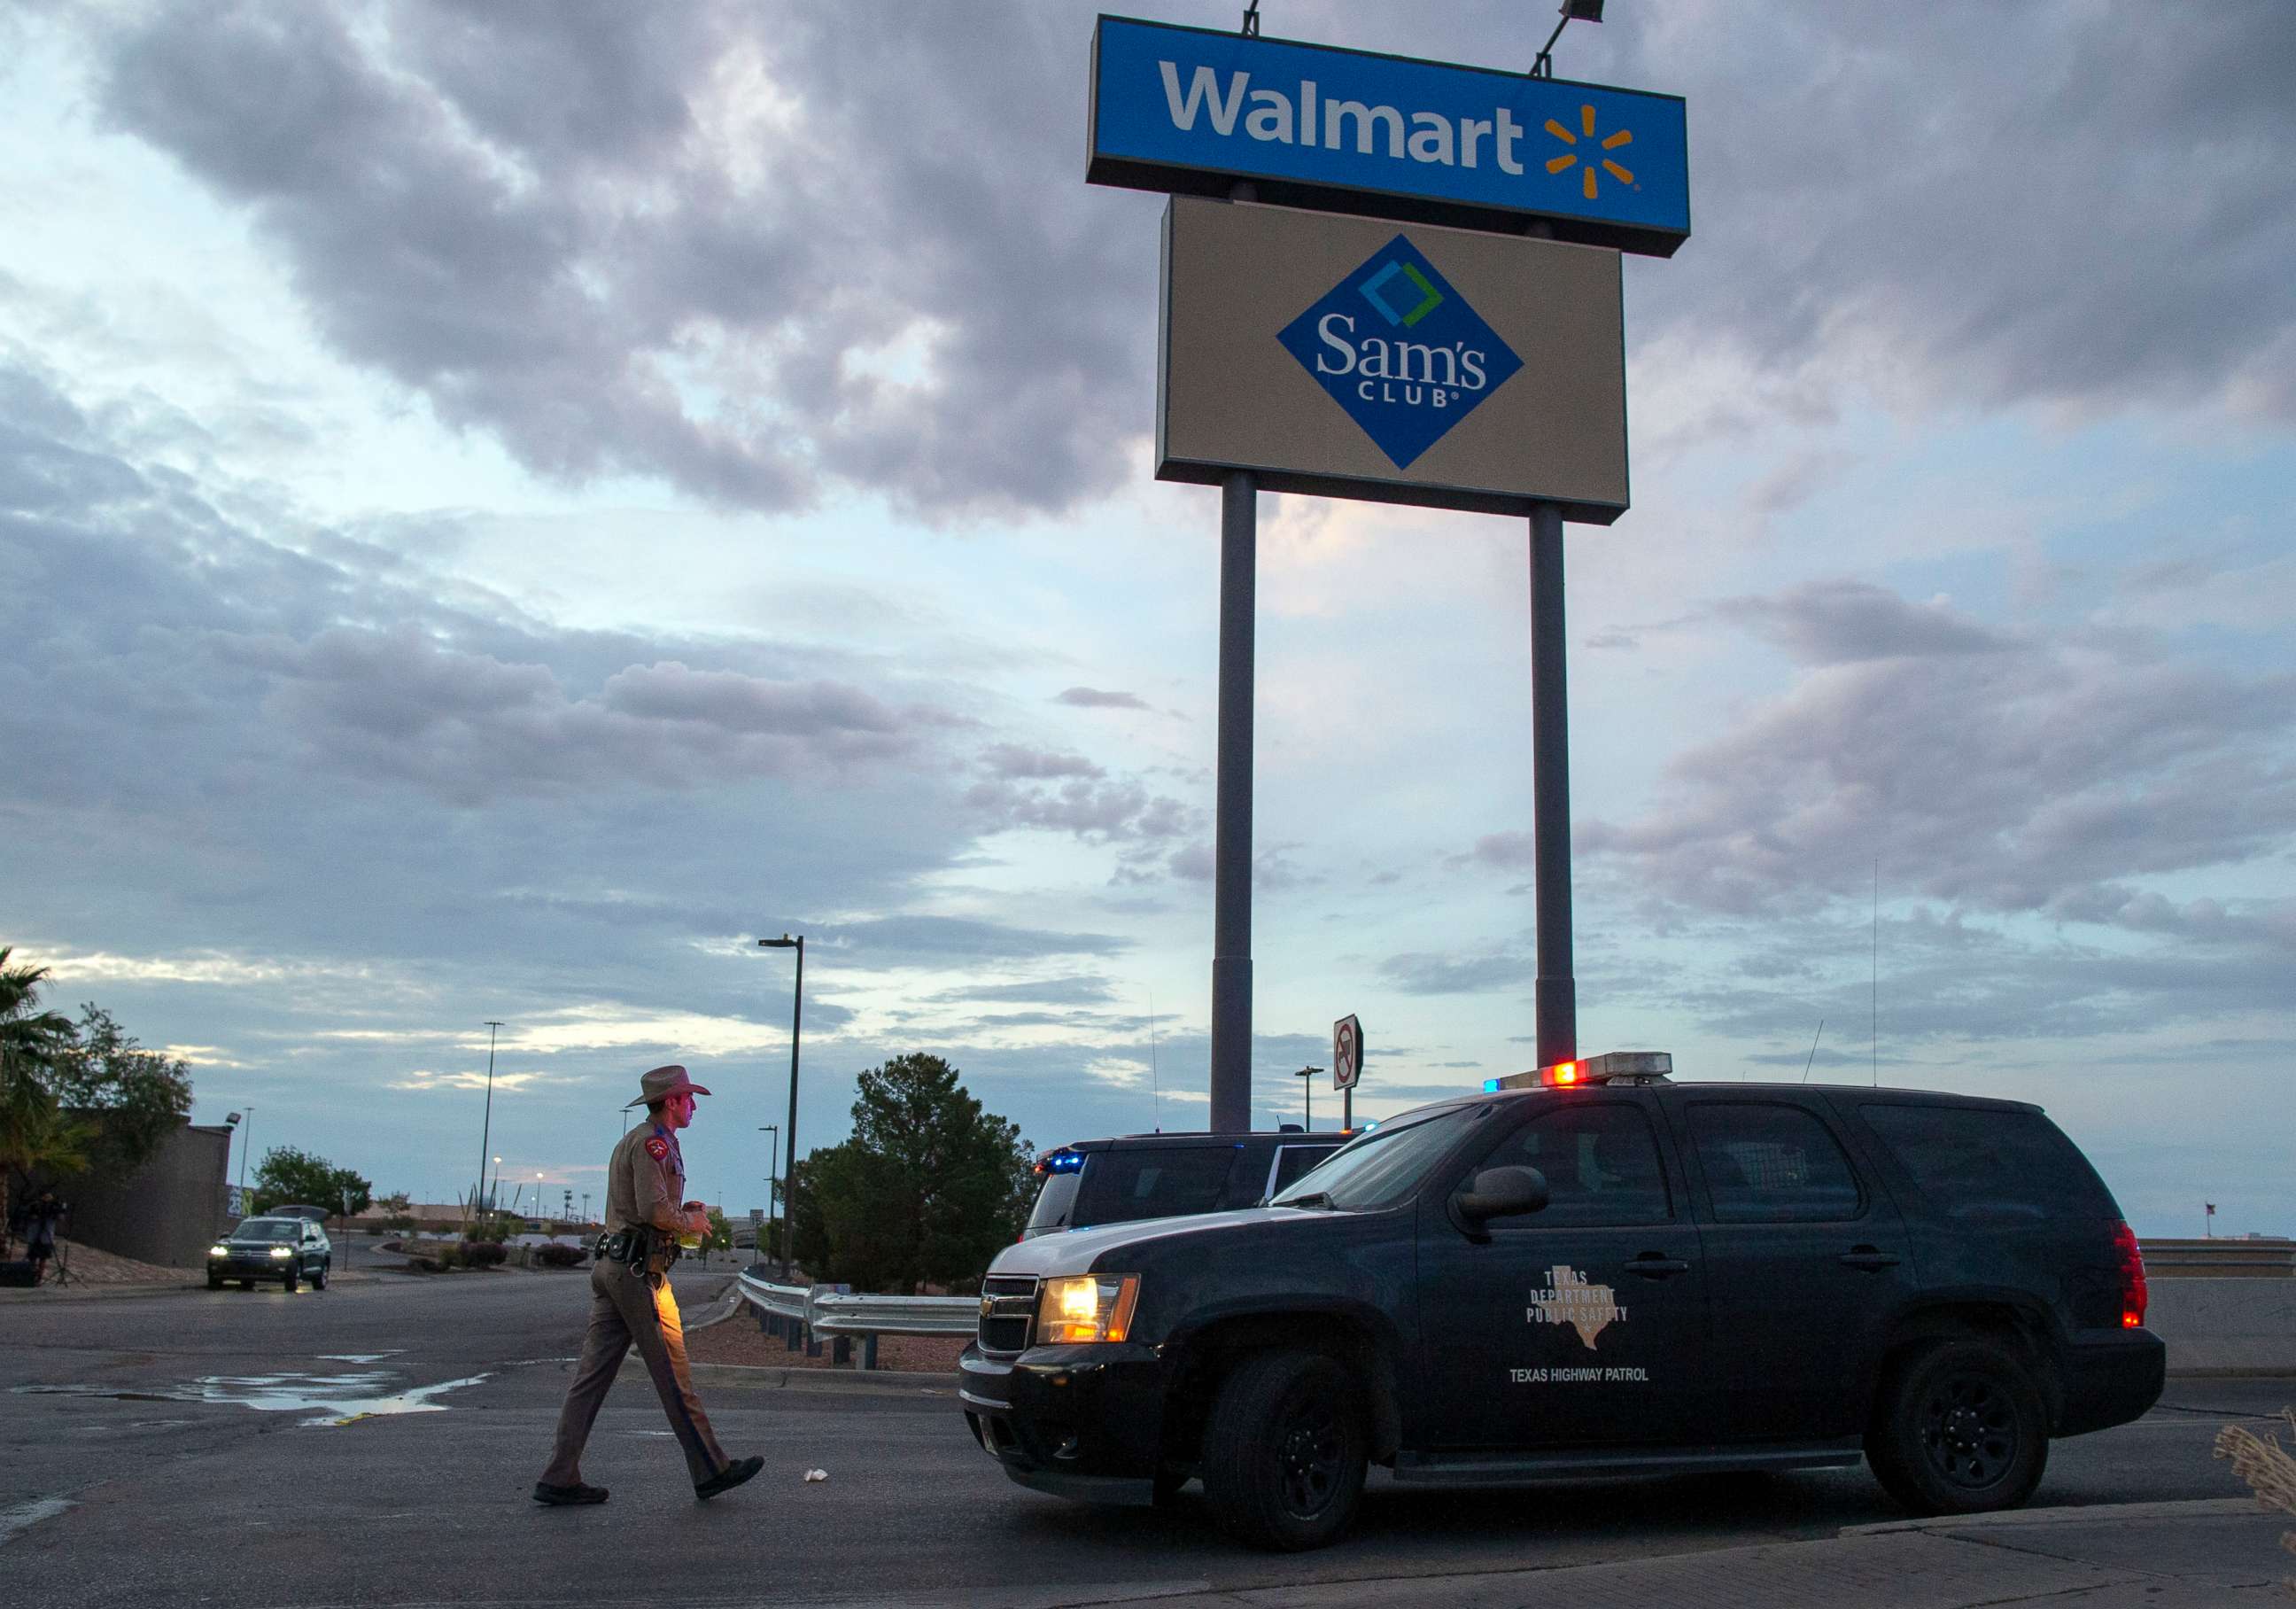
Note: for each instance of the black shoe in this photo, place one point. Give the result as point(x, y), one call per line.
point(559, 1497)
point(728, 1478)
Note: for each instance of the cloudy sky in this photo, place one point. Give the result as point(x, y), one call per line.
point(500, 506)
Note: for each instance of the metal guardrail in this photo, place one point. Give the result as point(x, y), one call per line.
point(2219, 1258)
point(804, 1314)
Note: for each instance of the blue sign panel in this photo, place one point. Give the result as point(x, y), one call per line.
point(1400, 351)
point(1195, 110)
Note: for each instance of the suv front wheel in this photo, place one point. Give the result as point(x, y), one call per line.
point(1959, 1428)
point(1284, 1452)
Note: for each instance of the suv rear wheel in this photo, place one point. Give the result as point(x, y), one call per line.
point(1284, 1452)
point(1959, 1430)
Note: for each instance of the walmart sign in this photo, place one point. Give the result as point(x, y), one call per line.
point(1193, 110)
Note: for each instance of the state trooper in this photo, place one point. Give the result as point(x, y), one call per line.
point(631, 1303)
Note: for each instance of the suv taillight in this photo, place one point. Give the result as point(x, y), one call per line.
point(2134, 1296)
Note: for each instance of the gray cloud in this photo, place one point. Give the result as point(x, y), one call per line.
point(1840, 621)
point(1962, 201)
point(1094, 698)
point(1422, 974)
point(1510, 850)
point(1091, 807)
point(916, 940)
point(1948, 984)
point(287, 753)
point(1048, 991)
point(758, 255)
point(2001, 781)
point(769, 255)
point(1192, 863)
point(1019, 761)
point(395, 705)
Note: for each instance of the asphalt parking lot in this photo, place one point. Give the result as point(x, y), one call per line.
point(374, 1444)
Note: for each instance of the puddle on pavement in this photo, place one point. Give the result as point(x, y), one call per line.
point(328, 1399)
point(360, 1357)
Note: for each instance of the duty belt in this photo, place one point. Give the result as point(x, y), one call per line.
point(634, 1246)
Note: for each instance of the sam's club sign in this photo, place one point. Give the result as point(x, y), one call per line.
point(1193, 110)
point(1400, 351)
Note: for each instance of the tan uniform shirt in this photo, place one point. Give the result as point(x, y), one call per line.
point(646, 1181)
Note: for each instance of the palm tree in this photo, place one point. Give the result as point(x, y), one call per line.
point(28, 1036)
point(34, 1133)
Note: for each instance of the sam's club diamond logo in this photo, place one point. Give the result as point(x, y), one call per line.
point(1400, 351)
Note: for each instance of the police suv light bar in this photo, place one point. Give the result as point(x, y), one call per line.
point(1611, 1067)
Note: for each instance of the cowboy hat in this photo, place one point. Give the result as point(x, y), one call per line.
point(663, 1082)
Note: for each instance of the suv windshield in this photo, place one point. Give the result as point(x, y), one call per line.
point(269, 1228)
point(1383, 1167)
point(1053, 1203)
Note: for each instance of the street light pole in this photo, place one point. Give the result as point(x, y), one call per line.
point(773, 1181)
point(246, 1142)
point(1307, 1076)
point(486, 1126)
point(788, 1134)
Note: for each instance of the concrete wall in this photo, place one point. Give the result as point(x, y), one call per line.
point(167, 1211)
point(2226, 1326)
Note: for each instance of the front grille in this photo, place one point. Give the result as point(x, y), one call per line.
point(1008, 1312)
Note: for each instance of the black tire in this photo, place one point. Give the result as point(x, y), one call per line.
point(319, 1277)
point(1166, 1491)
point(247, 1285)
point(1284, 1452)
point(290, 1280)
point(1959, 1428)
point(214, 1283)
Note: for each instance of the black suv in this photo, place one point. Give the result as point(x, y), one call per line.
point(1138, 1176)
point(288, 1250)
point(1617, 1276)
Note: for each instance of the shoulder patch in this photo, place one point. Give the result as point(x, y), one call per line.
point(657, 1147)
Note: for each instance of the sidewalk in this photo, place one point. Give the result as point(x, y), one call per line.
point(2203, 1555)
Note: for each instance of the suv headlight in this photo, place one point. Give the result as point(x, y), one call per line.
point(218, 1251)
point(1086, 1307)
point(283, 1251)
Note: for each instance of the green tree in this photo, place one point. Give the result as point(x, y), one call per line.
point(37, 1135)
point(136, 1097)
point(720, 1237)
point(401, 1208)
point(927, 1191)
point(288, 1175)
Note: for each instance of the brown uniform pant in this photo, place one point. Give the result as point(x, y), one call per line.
point(632, 1310)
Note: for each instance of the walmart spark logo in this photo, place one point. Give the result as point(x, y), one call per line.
point(1568, 160)
point(1381, 291)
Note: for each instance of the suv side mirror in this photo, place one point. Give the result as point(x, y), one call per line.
point(1500, 1193)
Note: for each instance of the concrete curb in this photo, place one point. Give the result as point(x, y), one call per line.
point(2011, 1519)
point(766, 1377)
point(1914, 1565)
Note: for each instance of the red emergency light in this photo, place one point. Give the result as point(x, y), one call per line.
point(1611, 1067)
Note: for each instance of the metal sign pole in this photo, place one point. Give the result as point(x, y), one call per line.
point(1550, 744)
point(1231, 1093)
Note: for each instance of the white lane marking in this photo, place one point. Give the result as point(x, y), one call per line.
point(23, 1516)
